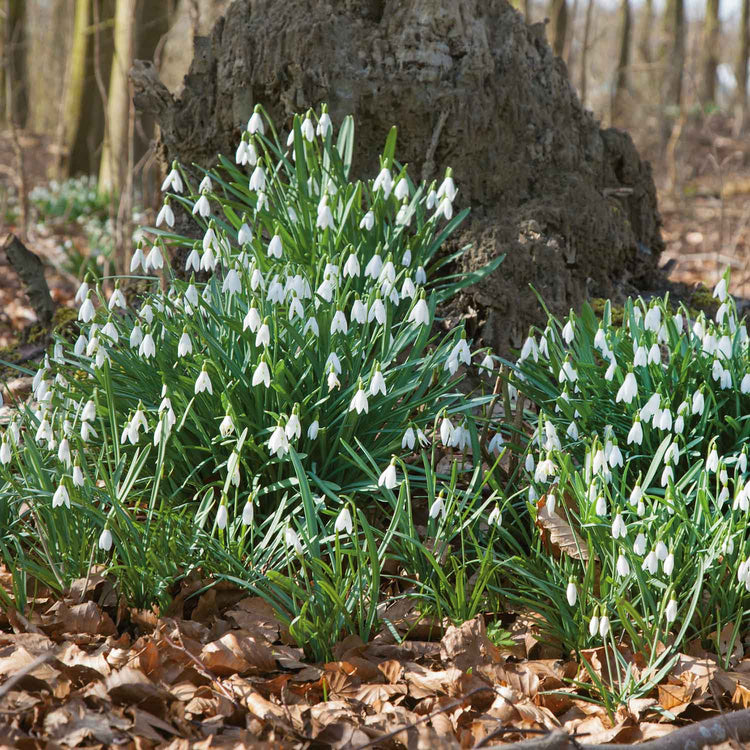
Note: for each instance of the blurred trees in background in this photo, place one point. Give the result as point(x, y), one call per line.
point(65, 63)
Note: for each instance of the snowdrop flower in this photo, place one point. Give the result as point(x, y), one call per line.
point(61, 497)
point(377, 311)
point(221, 516)
point(388, 477)
point(623, 568)
point(594, 625)
point(639, 546)
point(619, 529)
point(292, 540)
point(374, 267)
point(401, 190)
point(344, 522)
point(712, 462)
point(105, 540)
point(651, 563)
point(193, 260)
point(628, 390)
point(339, 323)
point(496, 444)
point(720, 290)
point(83, 291)
point(86, 311)
point(263, 337)
point(665, 420)
point(377, 384)
point(293, 427)
point(165, 214)
point(567, 332)
point(745, 384)
point(667, 476)
point(248, 512)
point(173, 181)
point(640, 358)
point(671, 611)
point(420, 313)
point(5, 454)
point(654, 354)
point(359, 401)
point(334, 362)
point(698, 403)
point(205, 185)
point(495, 518)
point(368, 221)
point(669, 564)
point(81, 342)
point(203, 382)
point(384, 182)
point(351, 267)
point(544, 470)
point(636, 433)
point(420, 276)
point(604, 626)
point(232, 283)
point(274, 247)
point(651, 407)
point(312, 430)
point(610, 373)
point(446, 431)
point(601, 506)
point(185, 345)
point(324, 125)
point(308, 131)
point(147, 347)
point(571, 593)
point(138, 259)
point(636, 494)
point(279, 442)
point(567, 373)
point(325, 217)
point(255, 124)
point(262, 375)
point(652, 321)
point(437, 507)
point(202, 206)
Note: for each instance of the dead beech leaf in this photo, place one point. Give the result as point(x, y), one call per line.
point(467, 645)
point(424, 683)
point(131, 686)
point(82, 665)
point(392, 669)
point(560, 533)
point(673, 695)
point(85, 618)
point(224, 656)
point(256, 616)
point(73, 723)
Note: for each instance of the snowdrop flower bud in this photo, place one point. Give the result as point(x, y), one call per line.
point(623, 568)
point(308, 131)
point(420, 276)
point(203, 382)
point(446, 431)
point(105, 540)
point(671, 611)
point(5, 454)
point(529, 464)
point(312, 430)
point(669, 564)
point(639, 546)
point(388, 477)
point(292, 540)
point(138, 259)
point(221, 516)
point(619, 529)
point(248, 513)
point(601, 506)
point(571, 593)
point(594, 625)
point(745, 384)
point(604, 626)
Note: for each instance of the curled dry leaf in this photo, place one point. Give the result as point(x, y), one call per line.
point(559, 534)
point(467, 645)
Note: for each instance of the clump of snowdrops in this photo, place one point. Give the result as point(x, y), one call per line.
point(637, 478)
point(238, 397)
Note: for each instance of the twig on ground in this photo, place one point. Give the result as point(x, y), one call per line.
point(30, 667)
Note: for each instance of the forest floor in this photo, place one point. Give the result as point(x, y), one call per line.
point(219, 670)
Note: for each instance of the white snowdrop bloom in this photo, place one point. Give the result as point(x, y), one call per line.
point(248, 513)
point(221, 516)
point(639, 546)
point(628, 390)
point(203, 383)
point(293, 427)
point(374, 267)
point(698, 403)
point(495, 518)
point(712, 462)
point(544, 470)
point(110, 331)
point(594, 626)
point(600, 340)
point(257, 180)
point(671, 611)
point(496, 444)
point(344, 522)
point(185, 345)
point(388, 272)
point(227, 426)
point(409, 439)
point(359, 312)
point(709, 343)
point(333, 362)
point(308, 131)
point(165, 215)
point(431, 200)
point(261, 201)
point(460, 438)
point(202, 206)
point(420, 313)
point(667, 476)
point(405, 215)
point(295, 308)
point(672, 456)
point(437, 508)
point(293, 541)
point(205, 185)
point(278, 442)
point(722, 313)
point(529, 349)
point(745, 384)
point(615, 457)
point(447, 188)
point(241, 155)
point(487, 362)
point(401, 189)
point(604, 626)
point(244, 234)
point(651, 407)
point(384, 182)
point(376, 312)
point(669, 564)
point(5, 454)
point(368, 221)
point(63, 452)
point(61, 497)
point(86, 311)
point(619, 529)
point(661, 550)
point(81, 342)
point(325, 217)
point(333, 381)
point(137, 260)
point(251, 320)
point(662, 337)
point(388, 478)
point(678, 322)
point(742, 462)
point(601, 506)
point(82, 292)
point(172, 181)
point(599, 461)
point(87, 432)
point(339, 323)
point(654, 355)
point(567, 373)
point(651, 563)
point(147, 347)
point(623, 567)
point(665, 420)
point(359, 401)
point(232, 283)
point(262, 375)
point(652, 320)
point(351, 267)
point(446, 431)
point(571, 593)
point(193, 261)
point(679, 424)
point(208, 261)
point(377, 385)
point(529, 464)
point(636, 494)
point(255, 124)
point(420, 276)
point(325, 290)
point(105, 540)
point(263, 337)
point(568, 333)
point(640, 358)
point(274, 247)
point(720, 290)
point(256, 280)
point(324, 125)
point(610, 373)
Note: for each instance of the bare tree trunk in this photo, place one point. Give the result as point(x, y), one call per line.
point(673, 60)
point(76, 74)
point(644, 42)
point(742, 62)
point(710, 52)
point(585, 51)
point(558, 12)
point(115, 147)
point(622, 85)
point(569, 54)
point(527, 10)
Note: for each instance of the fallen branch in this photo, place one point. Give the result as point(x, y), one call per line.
point(31, 272)
point(731, 726)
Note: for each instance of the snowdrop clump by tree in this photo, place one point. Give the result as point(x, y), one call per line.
point(311, 340)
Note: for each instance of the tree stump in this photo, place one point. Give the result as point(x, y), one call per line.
point(470, 85)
